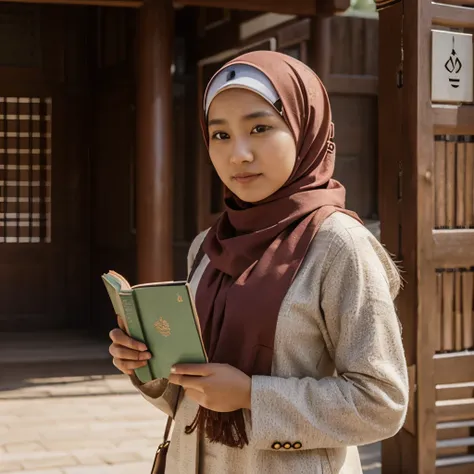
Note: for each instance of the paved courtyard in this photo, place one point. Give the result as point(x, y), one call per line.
point(80, 417)
point(77, 425)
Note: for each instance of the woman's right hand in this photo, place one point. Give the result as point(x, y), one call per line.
point(128, 354)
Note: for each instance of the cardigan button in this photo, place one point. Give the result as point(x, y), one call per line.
point(276, 445)
point(287, 445)
point(297, 445)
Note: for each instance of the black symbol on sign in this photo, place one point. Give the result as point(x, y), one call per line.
point(453, 66)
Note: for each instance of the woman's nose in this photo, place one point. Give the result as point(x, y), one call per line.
point(241, 153)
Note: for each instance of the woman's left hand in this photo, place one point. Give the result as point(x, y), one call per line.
point(217, 387)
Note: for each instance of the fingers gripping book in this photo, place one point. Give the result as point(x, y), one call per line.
point(163, 316)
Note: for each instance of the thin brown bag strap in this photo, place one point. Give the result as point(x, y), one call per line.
point(168, 429)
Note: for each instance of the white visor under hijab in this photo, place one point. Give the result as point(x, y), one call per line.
point(241, 76)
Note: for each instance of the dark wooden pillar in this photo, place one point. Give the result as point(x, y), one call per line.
point(321, 35)
point(321, 46)
point(400, 453)
point(154, 198)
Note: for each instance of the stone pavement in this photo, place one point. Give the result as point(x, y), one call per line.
point(78, 415)
point(77, 425)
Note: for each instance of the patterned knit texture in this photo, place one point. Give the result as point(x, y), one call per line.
point(339, 376)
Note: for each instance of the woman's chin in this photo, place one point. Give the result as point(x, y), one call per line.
point(251, 197)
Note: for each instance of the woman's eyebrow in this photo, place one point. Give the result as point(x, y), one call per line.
point(251, 116)
point(258, 114)
point(216, 122)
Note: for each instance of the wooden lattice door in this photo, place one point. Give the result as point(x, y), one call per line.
point(426, 205)
point(43, 170)
point(32, 248)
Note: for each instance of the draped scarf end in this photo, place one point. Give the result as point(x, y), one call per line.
point(225, 428)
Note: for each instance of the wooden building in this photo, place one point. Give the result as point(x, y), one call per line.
point(102, 166)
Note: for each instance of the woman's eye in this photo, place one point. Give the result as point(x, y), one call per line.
point(261, 129)
point(220, 136)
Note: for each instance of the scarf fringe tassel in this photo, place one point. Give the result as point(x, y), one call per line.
point(225, 428)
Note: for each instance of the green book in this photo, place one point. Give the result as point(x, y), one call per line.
point(163, 316)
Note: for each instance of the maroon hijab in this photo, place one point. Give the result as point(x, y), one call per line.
point(255, 250)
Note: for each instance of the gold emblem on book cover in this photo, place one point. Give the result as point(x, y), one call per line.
point(163, 327)
point(179, 298)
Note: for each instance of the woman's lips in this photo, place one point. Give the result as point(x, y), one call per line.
point(244, 178)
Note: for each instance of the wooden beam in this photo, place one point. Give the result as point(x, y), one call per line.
point(154, 201)
point(299, 7)
point(454, 368)
point(453, 119)
point(294, 32)
point(452, 16)
point(453, 248)
point(97, 3)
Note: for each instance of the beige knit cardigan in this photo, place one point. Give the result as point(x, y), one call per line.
point(339, 376)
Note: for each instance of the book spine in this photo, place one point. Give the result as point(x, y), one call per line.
point(135, 331)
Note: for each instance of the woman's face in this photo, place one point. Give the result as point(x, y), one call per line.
point(250, 145)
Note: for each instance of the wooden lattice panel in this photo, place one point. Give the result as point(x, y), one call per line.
point(454, 182)
point(455, 309)
point(454, 409)
point(25, 169)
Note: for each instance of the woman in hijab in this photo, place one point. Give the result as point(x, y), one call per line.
point(294, 295)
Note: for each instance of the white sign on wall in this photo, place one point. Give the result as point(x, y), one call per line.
point(452, 67)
